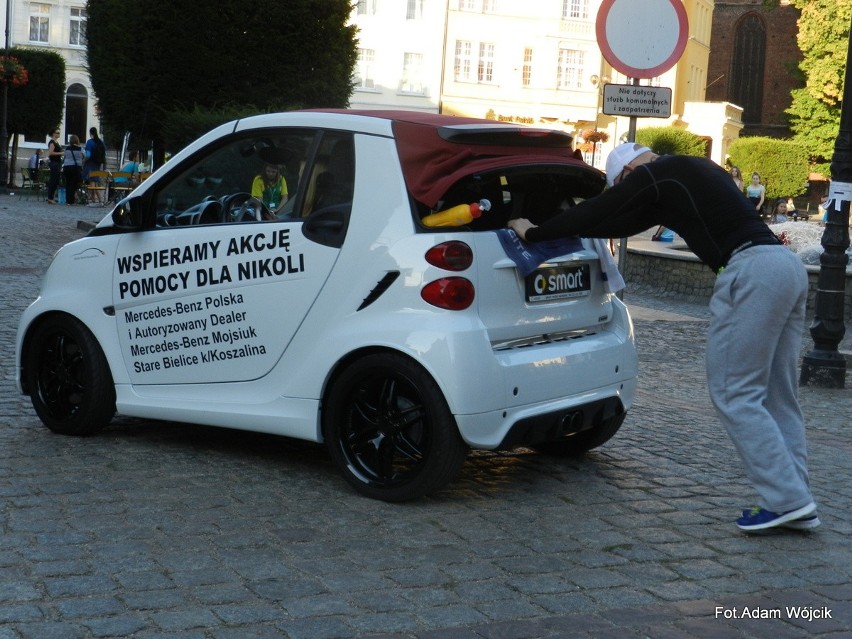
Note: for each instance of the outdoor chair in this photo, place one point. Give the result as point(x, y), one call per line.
point(122, 188)
point(98, 186)
point(30, 187)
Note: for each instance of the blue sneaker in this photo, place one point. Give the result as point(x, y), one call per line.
point(759, 518)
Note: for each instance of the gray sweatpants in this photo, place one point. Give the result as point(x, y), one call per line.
point(753, 345)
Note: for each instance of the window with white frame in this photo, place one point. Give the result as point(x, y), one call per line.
point(468, 67)
point(39, 22)
point(575, 9)
point(595, 156)
point(569, 73)
point(366, 7)
point(463, 62)
point(526, 71)
point(364, 78)
point(485, 67)
point(415, 9)
point(77, 30)
point(412, 74)
point(467, 5)
point(489, 6)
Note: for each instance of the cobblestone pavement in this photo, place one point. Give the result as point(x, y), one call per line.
point(159, 530)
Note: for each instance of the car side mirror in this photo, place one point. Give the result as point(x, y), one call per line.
point(127, 214)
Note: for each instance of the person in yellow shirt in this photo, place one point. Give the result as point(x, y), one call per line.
point(270, 187)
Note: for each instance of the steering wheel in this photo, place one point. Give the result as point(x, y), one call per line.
point(240, 207)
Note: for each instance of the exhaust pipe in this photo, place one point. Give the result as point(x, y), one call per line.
point(571, 423)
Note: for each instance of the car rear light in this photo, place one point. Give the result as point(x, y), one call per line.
point(451, 293)
point(451, 256)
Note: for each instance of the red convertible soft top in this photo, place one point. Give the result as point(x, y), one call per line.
point(436, 151)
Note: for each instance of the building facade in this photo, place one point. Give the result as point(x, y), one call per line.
point(535, 63)
point(58, 25)
point(529, 62)
point(754, 56)
point(400, 54)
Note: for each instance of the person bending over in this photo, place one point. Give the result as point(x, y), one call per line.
point(755, 334)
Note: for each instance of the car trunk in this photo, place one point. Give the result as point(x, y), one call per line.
point(516, 312)
point(565, 296)
point(522, 172)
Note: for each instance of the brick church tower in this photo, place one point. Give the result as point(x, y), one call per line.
point(754, 62)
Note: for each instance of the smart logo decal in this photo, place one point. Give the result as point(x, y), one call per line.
point(88, 254)
point(562, 282)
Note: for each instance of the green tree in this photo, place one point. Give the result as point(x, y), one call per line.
point(667, 140)
point(150, 61)
point(36, 108)
point(815, 109)
point(182, 126)
point(783, 165)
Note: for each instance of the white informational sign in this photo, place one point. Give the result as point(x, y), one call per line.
point(642, 39)
point(840, 191)
point(630, 100)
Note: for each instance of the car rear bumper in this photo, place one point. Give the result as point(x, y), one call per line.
point(541, 391)
point(545, 421)
point(554, 426)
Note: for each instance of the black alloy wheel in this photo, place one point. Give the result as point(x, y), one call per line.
point(389, 430)
point(68, 377)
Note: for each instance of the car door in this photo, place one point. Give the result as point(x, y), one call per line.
point(216, 289)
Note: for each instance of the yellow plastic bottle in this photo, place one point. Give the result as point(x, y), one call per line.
point(457, 215)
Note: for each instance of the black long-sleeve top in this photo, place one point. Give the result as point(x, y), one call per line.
point(693, 196)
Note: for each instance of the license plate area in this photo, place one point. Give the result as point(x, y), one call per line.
point(558, 282)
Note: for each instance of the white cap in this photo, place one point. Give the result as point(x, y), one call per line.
point(621, 156)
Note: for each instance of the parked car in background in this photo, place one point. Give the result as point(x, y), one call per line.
point(341, 317)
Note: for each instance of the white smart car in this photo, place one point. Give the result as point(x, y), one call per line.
point(324, 308)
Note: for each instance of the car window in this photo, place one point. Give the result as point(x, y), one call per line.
point(251, 178)
point(332, 177)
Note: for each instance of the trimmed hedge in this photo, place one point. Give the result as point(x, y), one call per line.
point(782, 164)
point(667, 140)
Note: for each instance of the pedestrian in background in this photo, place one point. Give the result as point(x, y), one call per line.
point(72, 169)
point(755, 333)
point(32, 165)
point(756, 192)
point(95, 154)
point(130, 167)
point(55, 153)
point(737, 177)
point(779, 213)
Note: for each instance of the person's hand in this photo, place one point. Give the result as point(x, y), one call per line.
point(520, 226)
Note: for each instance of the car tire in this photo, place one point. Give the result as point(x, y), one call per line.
point(68, 377)
point(389, 430)
point(580, 443)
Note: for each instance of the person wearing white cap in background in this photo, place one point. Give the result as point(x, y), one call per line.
point(755, 333)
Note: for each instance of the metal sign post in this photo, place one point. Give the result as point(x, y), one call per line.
point(640, 40)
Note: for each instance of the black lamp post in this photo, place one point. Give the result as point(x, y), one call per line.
point(825, 366)
point(4, 133)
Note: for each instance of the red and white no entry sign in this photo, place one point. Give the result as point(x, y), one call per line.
point(642, 38)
